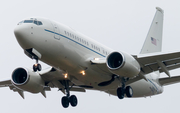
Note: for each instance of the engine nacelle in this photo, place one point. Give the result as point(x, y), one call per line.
point(27, 80)
point(123, 64)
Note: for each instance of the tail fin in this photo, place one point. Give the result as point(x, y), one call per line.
point(153, 42)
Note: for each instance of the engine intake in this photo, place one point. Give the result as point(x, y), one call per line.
point(115, 60)
point(27, 80)
point(123, 64)
point(20, 76)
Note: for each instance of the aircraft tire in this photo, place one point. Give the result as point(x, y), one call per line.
point(37, 67)
point(65, 102)
point(120, 93)
point(129, 91)
point(34, 68)
point(73, 100)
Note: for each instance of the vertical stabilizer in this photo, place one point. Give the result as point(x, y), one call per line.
point(153, 42)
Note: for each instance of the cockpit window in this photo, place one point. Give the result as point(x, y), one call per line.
point(31, 21)
point(28, 21)
point(40, 23)
point(37, 22)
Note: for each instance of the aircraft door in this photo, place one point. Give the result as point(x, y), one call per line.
point(56, 31)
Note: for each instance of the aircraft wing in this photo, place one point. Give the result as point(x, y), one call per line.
point(5, 83)
point(53, 78)
point(162, 62)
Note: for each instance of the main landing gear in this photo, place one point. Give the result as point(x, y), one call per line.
point(124, 90)
point(37, 66)
point(68, 99)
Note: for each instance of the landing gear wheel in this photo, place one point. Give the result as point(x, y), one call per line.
point(129, 91)
point(120, 93)
point(73, 100)
point(34, 68)
point(65, 101)
point(37, 67)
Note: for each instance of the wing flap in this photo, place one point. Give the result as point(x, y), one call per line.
point(171, 67)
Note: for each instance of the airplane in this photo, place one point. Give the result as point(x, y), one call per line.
point(79, 63)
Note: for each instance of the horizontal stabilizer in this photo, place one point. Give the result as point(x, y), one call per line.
point(169, 81)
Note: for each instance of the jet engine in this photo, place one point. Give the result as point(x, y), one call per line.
point(27, 80)
point(123, 64)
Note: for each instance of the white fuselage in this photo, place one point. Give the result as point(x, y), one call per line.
point(68, 50)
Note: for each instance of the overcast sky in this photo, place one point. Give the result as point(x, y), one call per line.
point(119, 24)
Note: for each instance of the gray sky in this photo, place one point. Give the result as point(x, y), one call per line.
point(119, 24)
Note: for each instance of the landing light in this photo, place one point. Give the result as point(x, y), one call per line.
point(65, 75)
point(96, 58)
point(83, 72)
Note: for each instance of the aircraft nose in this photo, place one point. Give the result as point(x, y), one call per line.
point(21, 33)
point(17, 31)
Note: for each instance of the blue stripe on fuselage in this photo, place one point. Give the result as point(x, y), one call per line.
point(75, 42)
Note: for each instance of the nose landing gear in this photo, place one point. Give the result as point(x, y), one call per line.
point(37, 66)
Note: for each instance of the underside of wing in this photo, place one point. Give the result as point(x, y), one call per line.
point(5, 83)
point(55, 78)
point(162, 62)
point(24, 79)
